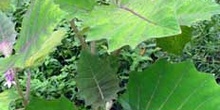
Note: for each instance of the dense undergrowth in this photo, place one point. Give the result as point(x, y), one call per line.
point(55, 77)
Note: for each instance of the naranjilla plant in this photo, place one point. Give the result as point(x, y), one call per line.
point(163, 85)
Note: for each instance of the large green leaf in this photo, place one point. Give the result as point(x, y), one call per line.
point(37, 37)
point(6, 98)
point(58, 104)
point(166, 86)
point(97, 80)
point(175, 44)
point(189, 11)
point(131, 22)
point(7, 34)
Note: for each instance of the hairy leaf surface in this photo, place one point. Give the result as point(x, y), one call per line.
point(97, 80)
point(166, 86)
point(37, 37)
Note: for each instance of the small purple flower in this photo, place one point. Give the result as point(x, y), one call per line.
point(9, 77)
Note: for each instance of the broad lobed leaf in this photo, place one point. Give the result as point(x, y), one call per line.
point(129, 22)
point(166, 86)
point(96, 80)
point(132, 22)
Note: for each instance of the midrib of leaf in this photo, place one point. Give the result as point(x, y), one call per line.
point(123, 7)
point(136, 14)
point(96, 82)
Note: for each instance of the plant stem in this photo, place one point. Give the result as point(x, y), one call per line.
point(28, 85)
point(78, 35)
point(20, 92)
point(93, 47)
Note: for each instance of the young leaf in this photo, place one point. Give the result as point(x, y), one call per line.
point(6, 98)
point(7, 35)
point(131, 22)
point(96, 80)
point(175, 44)
point(37, 30)
point(58, 104)
point(189, 11)
point(166, 86)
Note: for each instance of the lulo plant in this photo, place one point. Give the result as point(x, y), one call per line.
point(121, 22)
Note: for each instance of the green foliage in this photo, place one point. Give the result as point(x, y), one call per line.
point(130, 23)
point(166, 86)
point(121, 22)
point(6, 98)
point(104, 23)
point(189, 11)
point(37, 31)
point(175, 44)
point(58, 104)
point(96, 80)
point(204, 48)
point(55, 76)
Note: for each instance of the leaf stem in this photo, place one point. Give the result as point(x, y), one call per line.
point(28, 85)
point(77, 34)
point(20, 92)
point(93, 47)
